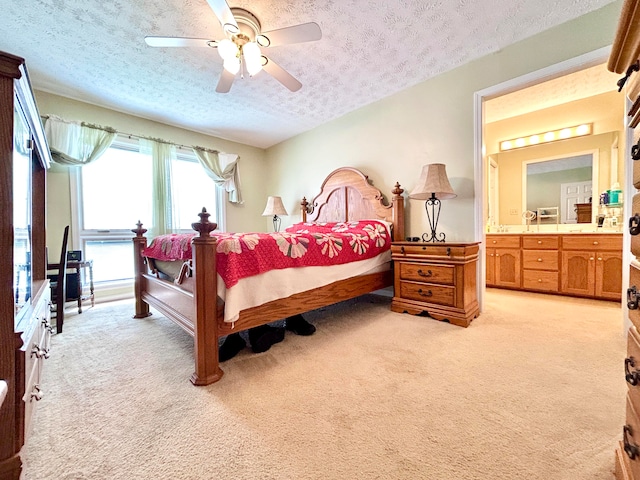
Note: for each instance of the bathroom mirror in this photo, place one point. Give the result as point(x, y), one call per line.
point(556, 189)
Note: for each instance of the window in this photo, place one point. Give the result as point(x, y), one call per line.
point(191, 190)
point(115, 192)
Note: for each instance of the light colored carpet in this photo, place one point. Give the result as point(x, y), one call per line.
point(533, 389)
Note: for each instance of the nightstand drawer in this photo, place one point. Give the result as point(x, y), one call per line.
point(424, 272)
point(540, 259)
point(424, 292)
point(540, 280)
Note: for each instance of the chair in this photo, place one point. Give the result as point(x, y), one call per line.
point(57, 274)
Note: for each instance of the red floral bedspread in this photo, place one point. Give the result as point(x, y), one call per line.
point(241, 255)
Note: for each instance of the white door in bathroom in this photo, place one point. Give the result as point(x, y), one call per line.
point(570, 194)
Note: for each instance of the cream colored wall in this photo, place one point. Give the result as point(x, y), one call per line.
point(253, 171)
point(391, 139)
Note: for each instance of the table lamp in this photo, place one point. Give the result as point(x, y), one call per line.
point(433, 186)
point(274, 207)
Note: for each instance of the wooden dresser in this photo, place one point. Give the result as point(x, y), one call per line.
point(624, 56)
point(575, 264)
point(436, 278)
point(24, 290)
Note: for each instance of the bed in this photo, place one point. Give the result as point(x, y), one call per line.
point(194, 298)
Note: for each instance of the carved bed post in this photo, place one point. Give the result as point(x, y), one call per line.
point(205, 303)
point(139, 244)
point(304, 208)
point(398, 213)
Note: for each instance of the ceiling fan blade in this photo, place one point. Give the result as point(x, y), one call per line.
point(281, 75)
point(305, 32)
point(225, 82)
point(223, 12)
point(177, 42)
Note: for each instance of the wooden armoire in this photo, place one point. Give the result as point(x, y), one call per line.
point(25, 312)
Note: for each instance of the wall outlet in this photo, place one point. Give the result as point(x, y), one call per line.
point(513, 211)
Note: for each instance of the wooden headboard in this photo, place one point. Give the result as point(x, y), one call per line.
point(347, 195)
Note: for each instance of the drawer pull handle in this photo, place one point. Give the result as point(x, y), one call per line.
point(39, 352)
point(539, 242)
point(539, 259)
point(631, 449)
point(632, 298)
point(631, 377)
point(402, 250)
point(539, 280)
point(429, 293)
point(422, 274)
point(595, 243)
point(634, 224)
point(47, 326)
point(36, 393)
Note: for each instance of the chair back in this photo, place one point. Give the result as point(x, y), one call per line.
point(60, 286)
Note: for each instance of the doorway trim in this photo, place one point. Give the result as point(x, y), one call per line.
point(566, 67)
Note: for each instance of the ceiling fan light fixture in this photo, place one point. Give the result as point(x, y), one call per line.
point(252, 57)
point(232, 65)
point(227, 49)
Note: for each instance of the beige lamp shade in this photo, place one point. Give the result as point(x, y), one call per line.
point(433, 180)
point(274, 207)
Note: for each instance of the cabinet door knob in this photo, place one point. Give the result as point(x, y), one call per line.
point(422, 274)
point(428, 293)
point(497, 254)
point(599, 259)
point(591, 258)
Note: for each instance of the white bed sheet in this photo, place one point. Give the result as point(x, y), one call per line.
point(266, 287)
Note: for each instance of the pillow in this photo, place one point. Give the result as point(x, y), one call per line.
point(329, 227)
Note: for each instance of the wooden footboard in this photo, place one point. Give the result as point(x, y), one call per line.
point(346, 193)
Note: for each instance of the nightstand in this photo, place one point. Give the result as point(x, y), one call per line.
point(436, 278)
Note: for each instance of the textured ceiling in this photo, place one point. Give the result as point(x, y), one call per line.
point(568, 88)
point(95, 52)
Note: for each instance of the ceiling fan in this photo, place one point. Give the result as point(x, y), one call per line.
point(242, 47)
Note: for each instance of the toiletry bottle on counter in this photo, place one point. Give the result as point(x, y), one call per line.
point(604, 198)
point(614, 193)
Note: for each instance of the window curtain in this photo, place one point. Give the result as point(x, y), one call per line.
point(163, 215)
point(222, 168)
point(74, 143)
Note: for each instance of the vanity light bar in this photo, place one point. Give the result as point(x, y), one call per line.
point(546, 137)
